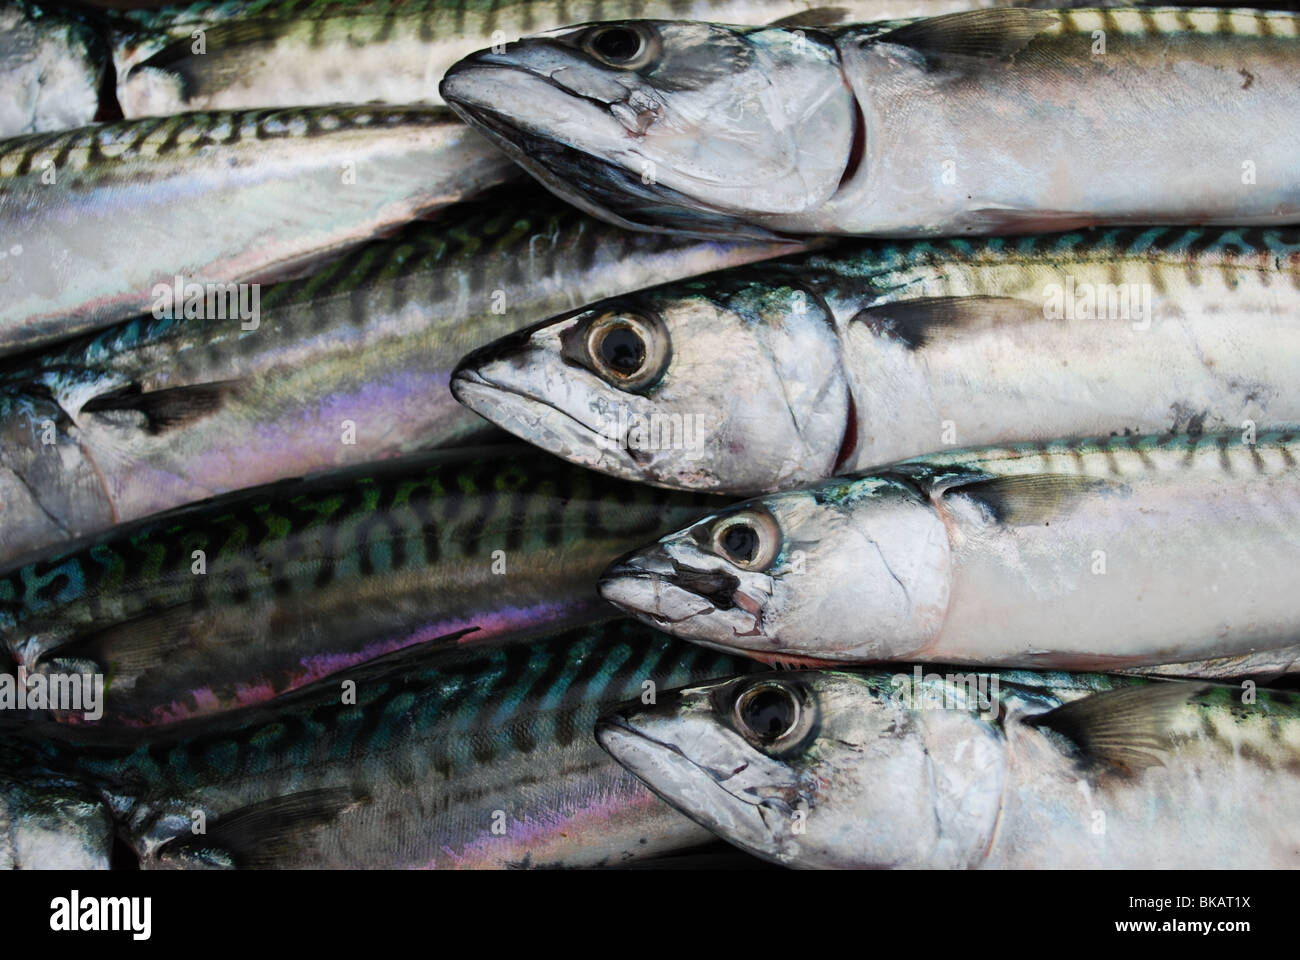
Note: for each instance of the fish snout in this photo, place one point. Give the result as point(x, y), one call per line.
point(510, 352)
point(647, 562)
point(653, 583)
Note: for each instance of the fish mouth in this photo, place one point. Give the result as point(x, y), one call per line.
point(681, 783)
point(652, 595)
point(469, 89)
point(602, 188)
point(543, 425)
point(707, 607)
point(715, 587)
point(497, 126)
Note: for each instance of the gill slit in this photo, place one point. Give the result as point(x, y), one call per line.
point(858, 147)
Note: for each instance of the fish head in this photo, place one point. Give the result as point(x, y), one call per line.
point(818, 768)
point(694, 386)
point(852, 570)
point(689, 118)
point(49, 825)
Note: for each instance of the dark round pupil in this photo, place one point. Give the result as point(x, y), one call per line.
point(617, 44)
point(768, 713)
point(622, 351)
point(741, 542)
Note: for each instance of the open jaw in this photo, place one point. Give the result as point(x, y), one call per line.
point(680, 782)
point(543, 424)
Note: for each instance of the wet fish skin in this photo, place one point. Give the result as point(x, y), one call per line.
point(52, 826)
point(979, 122)
point(1261, 666)
point(283, 54)
point(238, 600)
point(274, 192)
point(434, 751)
point(876, 351)
point(997, 556)
point(931, 772)
point(151, 414)
point(51, 62)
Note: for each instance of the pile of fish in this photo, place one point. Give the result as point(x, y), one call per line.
point(910, 468)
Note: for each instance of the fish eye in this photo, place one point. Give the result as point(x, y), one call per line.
point(767, 711)
point(620, 45)
point(750, 539)
point(623, 351)
point(628, 350)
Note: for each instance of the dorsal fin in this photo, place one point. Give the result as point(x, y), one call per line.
point(993, 34)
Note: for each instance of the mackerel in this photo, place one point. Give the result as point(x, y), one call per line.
point(480, 758)
point(227, 56)
point(979, 122)
point(1262, 666)
point(102, 223)
point(52, 826)
point(52, 64)
point(244, 598)
point(345, 367)
point(1108, 553)
point(933, 770)
point(771, 377)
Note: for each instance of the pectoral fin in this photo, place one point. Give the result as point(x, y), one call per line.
point(127, 650)
point(1127, 729)
point(816, 17)
point(260, 836)
point(993, 34)
point(195, 73)
point(166, 409)
point(915, 323)
point(1029, 500)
